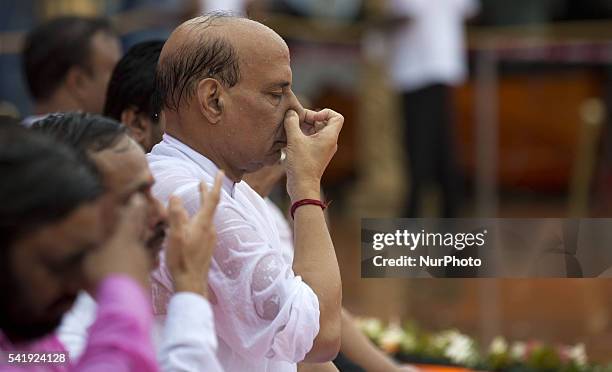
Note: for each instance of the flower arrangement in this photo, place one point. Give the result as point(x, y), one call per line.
point(410, 344)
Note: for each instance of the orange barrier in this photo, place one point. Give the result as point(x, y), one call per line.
point(434, 368)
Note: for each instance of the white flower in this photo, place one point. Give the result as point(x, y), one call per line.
point(577, 354)
point(461, 349)
point(391, 338)
point(518, 351)
point(499, 346)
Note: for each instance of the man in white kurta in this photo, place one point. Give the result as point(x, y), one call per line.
point(225, 85)
point(261, 307)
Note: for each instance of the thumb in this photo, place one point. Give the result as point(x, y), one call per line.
point(292, 126)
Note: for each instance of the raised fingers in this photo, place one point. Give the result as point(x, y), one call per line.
point(210, 199)
point(177, 216)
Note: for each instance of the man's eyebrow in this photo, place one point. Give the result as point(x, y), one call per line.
point(279, 84)
point(140, 185)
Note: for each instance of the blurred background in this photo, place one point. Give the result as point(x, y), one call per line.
point(519, 127)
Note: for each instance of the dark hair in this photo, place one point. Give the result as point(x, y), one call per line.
point(82, 132)
point(203, 57)
point(54, 47)
point(43, 181)
point(133, 82)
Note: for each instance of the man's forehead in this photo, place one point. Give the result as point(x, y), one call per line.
point(123, 164)
point(248, 37)
point(106, 48)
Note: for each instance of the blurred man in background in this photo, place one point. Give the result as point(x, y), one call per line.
point(427, 59)
point(67, 63)
point(131, 93)
point(54, 244)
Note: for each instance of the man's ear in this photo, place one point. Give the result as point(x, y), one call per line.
point(210, 101)
point(76, 82)
point(136, 126)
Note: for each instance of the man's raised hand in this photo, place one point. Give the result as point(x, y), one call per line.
point(310, 147)
point(124, 251)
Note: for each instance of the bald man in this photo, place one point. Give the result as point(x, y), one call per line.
point(225, 84)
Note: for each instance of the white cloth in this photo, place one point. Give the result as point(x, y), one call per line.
point(28, 121)
point(186, 342)
point(73, 330)
point(285, 232)
point(266, 317)
point(429, 48)
point(235, 6)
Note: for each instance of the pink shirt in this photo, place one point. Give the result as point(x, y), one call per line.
point(119, 340)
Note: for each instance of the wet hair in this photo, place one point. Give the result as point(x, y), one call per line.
point(207, 56)
point(53, 48)
point(85, 133)
point(132, 83)
point(44, 181)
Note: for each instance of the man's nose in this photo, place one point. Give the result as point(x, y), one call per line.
point(157, 212)
point(294, 104)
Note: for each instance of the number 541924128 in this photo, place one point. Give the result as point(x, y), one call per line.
point(38, 358)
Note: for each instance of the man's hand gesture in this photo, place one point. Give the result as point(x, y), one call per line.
point(191, 242)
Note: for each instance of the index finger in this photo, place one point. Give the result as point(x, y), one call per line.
point(333, 125)
point(210, 199)
point(311, 116)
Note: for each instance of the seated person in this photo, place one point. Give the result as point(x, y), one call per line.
point(53, 245)
point(130, 98)
point(67, 63)
point(225, 84)
point(189, 333)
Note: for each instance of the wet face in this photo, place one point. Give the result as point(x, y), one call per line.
point(125, 172)
point(254, 108)
point(105, 53)
point(45, 272)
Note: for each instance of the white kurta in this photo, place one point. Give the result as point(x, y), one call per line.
point(430, 47)
point(179, 348)
point(266, 317)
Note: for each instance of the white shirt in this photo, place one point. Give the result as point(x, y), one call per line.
point(429, 48)
point(285, 232)
point(28, 121)
point(186, 342)
point(235, 6)
point(266, 317)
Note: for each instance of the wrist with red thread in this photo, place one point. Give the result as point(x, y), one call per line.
point(303, 202)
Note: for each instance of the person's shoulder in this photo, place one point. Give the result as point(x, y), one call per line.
point(169, 165)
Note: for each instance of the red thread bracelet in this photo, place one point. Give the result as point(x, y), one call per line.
point(302, 202)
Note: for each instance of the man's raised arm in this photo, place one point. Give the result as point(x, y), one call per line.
point(310, 147)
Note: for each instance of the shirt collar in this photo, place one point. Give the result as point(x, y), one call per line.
point(202, 161)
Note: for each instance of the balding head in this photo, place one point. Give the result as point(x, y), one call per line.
point(209, 46)
point(225, 86)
